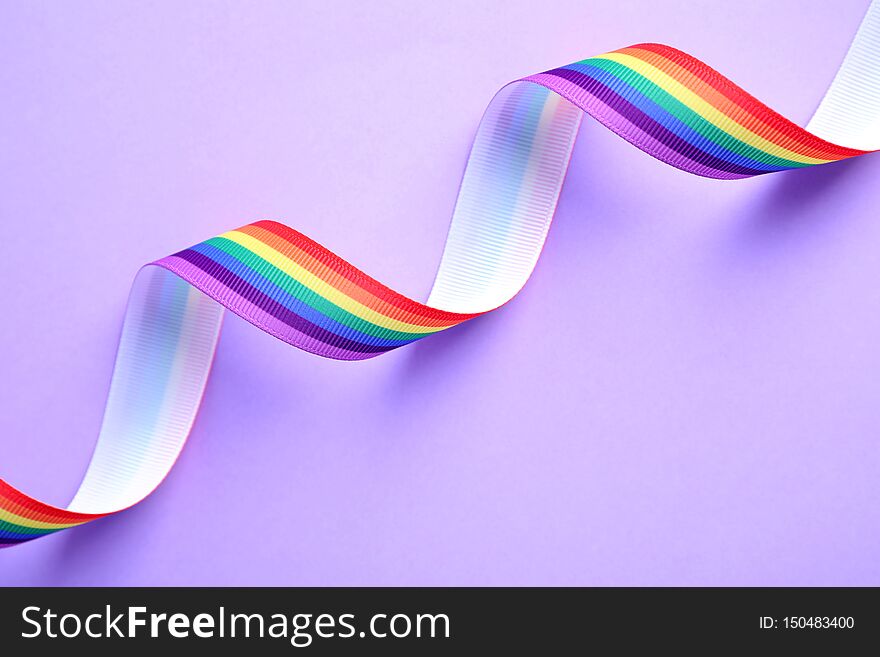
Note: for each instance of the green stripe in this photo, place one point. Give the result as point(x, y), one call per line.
point(261, 266)
point(686, 115)
point(24, 532)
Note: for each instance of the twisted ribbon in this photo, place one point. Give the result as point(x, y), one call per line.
point(660, 99)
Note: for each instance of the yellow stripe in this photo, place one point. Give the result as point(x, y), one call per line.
point(705, 109)
point(10, 517)
point(321, 288)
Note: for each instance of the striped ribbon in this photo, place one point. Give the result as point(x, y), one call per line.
point(660, 99)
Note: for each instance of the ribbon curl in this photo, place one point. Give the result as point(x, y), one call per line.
point(661, 100)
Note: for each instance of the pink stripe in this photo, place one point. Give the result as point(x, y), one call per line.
point(621, 126)
point(254, 314)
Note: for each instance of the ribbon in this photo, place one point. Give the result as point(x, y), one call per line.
point(661, 100)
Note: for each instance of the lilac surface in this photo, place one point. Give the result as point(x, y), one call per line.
point(684, 393)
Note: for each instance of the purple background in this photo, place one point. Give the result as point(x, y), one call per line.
point(684, 393)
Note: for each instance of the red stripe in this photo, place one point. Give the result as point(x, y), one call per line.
point(749, 103)
point(358, 277)
point(16, 502)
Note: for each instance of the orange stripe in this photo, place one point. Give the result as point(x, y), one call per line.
point(744, 109)
point(346, 284)
point(346, 270)
point(21, 505)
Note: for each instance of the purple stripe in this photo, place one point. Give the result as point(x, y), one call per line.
point(673, 147)
point(640, 119)
point(249, 312)
point(608, 117)
point(323, 342)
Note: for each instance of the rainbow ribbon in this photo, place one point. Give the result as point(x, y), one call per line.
point(660, 99)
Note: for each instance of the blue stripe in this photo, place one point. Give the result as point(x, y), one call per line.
point(672, 123)
point(290, 302)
